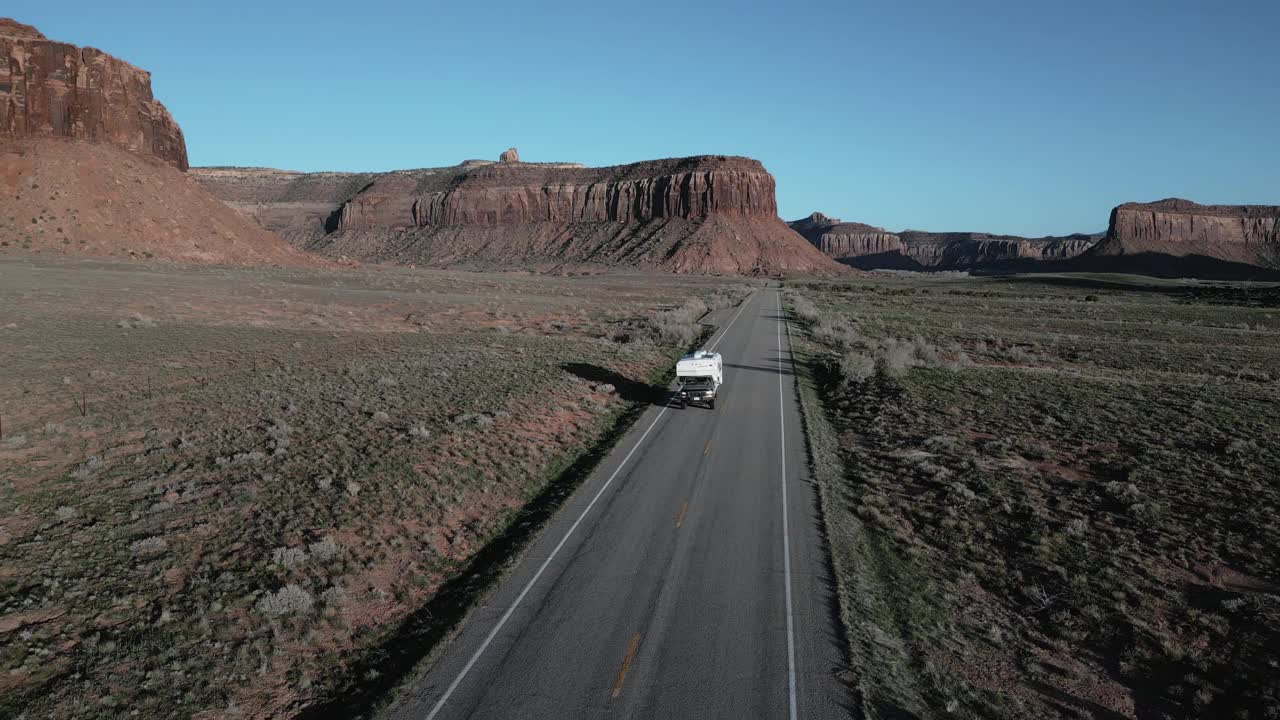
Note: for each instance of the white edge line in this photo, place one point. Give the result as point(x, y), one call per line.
point(475, 657)
point(786, 533)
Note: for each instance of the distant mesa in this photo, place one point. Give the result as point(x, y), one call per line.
point(92, 164)
point(1172, 237)
point(509, 156)
point(702, 214)
point(1248, 234)
point(873, 248)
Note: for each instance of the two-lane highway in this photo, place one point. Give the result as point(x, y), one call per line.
point(686, 578)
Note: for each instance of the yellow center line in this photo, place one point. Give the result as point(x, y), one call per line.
point(626, 663)
point(683, 510)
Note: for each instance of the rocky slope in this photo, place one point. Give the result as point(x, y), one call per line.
point(870, 247)
point(299, 207)
point(91, 163)
point(97, 199)
point(1247, 234)
point(52, 89)
point(705, 214)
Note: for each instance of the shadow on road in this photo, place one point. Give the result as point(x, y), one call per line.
point(777, 368)
point(628, 389)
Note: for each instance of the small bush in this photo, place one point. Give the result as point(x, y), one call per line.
point(279, 434)
point(804, 308)
point(839, 333)
point(1123, 492)
point(289, 600)
point(473, 419)
point(87, 468)
point(323, 550)
point(677, 326)
point(148, 547)
point(287, 557)
point(856, 366)
point(137, 320)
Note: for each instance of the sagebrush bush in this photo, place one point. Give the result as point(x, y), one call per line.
point(678, 326)
point(804, 308)
point(857, 366)
point(287, 557)
point(888, 358)
point(323, 550)
point(895, 357)
point(289, 600)
point(87, 468)
point(149, 546)
point(838, 333)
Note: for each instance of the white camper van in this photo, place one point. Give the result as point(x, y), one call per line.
point(700, 375)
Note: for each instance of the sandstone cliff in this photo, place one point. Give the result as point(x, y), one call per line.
point(92, 164)
point(869, 247)
point(52, 89)
point(1248, 234)
point(708, 214)
point(964, 250)
point(842, 240)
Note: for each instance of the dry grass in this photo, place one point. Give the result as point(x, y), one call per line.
point(1047, 500)
point(220, 503)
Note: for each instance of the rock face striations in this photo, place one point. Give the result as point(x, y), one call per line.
point(1248, 234)
point(52, 89)
point(964, 250)
point(844, 241)
point(871, 248)
point(92, 164)
point(706, 214)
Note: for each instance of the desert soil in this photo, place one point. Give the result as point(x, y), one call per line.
point(1050, 497)
point(223, 489)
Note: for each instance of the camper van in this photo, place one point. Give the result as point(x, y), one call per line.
point(699, 375)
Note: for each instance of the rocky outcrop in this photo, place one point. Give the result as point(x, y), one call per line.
point(965, 250)
point(711, 214)
point(1247, 234)
point(869, 247)
point(91, 164)
point(502, 194)
point(842, 240)
point(509, 156)
point(14, 29)
point(52, 89)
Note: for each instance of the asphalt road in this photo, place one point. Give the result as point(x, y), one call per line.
point(687, 578)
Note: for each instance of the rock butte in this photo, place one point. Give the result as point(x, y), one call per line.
point(703, 214)
point(869, 247)
point(52, 89)
point(92, 164)
point(1174, 227)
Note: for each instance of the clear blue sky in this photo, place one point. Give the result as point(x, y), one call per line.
point(1019, 117)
